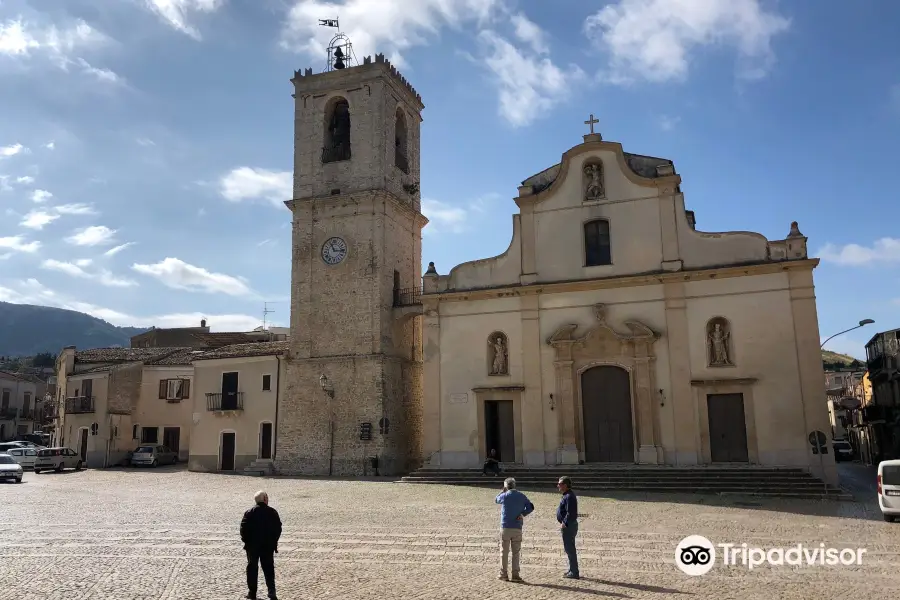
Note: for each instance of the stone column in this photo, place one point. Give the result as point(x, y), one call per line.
point(567, 451)
point(648, 448)
point(685, 428)
point(431, 397)
point(532, 421)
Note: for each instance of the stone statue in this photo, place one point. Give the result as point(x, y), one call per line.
point(594, 174)
point(499, 362)
point(717, 340)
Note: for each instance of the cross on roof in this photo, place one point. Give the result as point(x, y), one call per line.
point(591, 122)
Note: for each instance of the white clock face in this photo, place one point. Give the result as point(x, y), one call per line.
point(334, 250)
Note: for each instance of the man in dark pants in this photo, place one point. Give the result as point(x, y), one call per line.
point(491, 464)
point(567, 516)
point(260, 531)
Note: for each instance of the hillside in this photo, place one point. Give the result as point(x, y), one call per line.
point(26, 330)
point(835, 359)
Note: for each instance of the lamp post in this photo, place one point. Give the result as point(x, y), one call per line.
point(329, 391)
point(862, 323)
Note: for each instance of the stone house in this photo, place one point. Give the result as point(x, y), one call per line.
point(110, 400)
point(20, 396)
point(235, 406)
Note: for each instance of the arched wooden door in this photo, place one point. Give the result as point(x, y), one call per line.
point(606, 415)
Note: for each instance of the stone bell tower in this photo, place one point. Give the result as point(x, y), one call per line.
point(353, 379)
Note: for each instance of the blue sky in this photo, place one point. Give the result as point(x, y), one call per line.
point(145, 145)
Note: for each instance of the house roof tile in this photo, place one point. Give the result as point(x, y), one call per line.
point(245, 350)
point(118, 355)
point(183, 356)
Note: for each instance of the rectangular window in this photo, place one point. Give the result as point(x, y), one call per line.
point(88, 388)
point(174, 389)
point(149, 435)
point(597, 243)
point(6, 399)
point(267, 383)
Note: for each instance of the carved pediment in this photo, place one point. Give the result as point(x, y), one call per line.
point(603, 333)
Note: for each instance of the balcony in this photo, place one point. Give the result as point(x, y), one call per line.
point(27, 414)
point(80, 405)
point(400, 161)
point(228, 401)
point(8, 413)
point(408, 296)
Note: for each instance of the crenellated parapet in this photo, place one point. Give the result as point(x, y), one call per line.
point(368, 60)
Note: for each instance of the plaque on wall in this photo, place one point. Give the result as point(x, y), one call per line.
point(459, 398)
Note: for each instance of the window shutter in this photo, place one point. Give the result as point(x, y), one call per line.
point(186, 388)
point(163, 388)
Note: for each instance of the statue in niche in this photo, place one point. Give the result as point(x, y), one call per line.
point(499, 361)
point(717, 338)
point(594, 174)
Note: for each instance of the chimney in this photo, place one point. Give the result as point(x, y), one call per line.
point(202, 322)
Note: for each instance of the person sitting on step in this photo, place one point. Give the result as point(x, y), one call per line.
point(491, 464)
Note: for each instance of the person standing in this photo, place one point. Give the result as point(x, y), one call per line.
point(491, 464)
point(514, 507)
point(260, 532)
point(567, 516)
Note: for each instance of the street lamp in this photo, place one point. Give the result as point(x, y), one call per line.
point(862, 323)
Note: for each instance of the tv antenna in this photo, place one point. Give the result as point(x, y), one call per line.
point(266, 313)
point(340, 50)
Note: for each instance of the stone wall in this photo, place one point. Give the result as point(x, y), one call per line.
point(124, 389)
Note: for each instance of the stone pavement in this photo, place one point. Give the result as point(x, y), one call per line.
point(169, 534)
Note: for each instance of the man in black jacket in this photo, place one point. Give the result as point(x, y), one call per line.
point(260, 531)
point(567, 516)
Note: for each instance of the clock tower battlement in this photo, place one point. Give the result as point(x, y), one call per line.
point(356, 240)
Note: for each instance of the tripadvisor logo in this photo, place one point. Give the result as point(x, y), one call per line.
point(696, 555)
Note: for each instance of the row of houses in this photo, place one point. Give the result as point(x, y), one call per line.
point(214, 402)
point(21, 404)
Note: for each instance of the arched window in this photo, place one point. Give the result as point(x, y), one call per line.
point(400, 142)
point(596, 243)
point(336, 145)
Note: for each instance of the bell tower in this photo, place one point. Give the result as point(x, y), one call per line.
point(353, 379)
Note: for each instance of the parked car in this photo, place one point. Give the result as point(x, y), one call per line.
point(889, 489)
point(5, 446)
point(58, 459)
point(24, 456)
point(153, 455)
point(10, 469)
point(842, 450)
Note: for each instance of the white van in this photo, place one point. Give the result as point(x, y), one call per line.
point(889, 489)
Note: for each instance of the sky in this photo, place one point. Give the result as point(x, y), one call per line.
point(146, 145)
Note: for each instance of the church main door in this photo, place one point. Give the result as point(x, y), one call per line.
point(499, 429)
point(606, 408)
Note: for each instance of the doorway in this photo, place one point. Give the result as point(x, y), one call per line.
point(727, 428)
point(229, 391)
point(83, 443)
point(265, 440)
point(227, 451)
point(172, 438)
point(500, 429)
point(606, 411)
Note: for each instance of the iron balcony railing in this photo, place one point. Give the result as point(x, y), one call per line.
point(225, 401)
point(8, 413)
point(400, 161)
point(80, 405)
point(26, 414)
point(408, 296)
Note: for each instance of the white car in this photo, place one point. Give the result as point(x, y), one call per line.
point(889, 489)
point(10, 469)
point(57, 459)
point(24, 456)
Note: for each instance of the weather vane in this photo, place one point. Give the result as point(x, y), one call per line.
point(340, 50)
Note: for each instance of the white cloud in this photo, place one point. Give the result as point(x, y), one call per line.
point(117, 249)
point(386, 26)
point(32, 291)
point(6, 255)
point(654, 39)
point(40, 196)
point(529, 85)
point(76, 269)
point(179, 275)
point(37, 219)
point(12, 149)
point(885, 250)
point(248, 183)
point(443, 217)
point(50, 145)
point(528, 31)
point(22, 39)
point(175, 12)
point(17, 243)
point(84, 262)
point(25, 180)
point(96, 235)
point(75, 209)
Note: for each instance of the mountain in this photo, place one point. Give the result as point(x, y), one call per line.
point(26, 330)
point(840, 360)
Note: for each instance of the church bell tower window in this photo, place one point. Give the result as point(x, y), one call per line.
point(400, 142)
point(336, 145)
point(596, 243)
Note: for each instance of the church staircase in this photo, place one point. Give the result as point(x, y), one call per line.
point(774, 482)
point(260, 467)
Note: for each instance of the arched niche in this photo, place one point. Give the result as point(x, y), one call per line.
point(401, 141)
point(336, 142)
point(719, 346)
point(498, 354)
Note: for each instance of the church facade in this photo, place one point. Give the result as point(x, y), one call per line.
point(613, 331)
point(610, 331)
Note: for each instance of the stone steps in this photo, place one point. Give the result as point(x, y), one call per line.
point(260, 467)
point(787, 482)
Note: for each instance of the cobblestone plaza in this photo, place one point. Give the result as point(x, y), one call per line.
point(169, 534)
